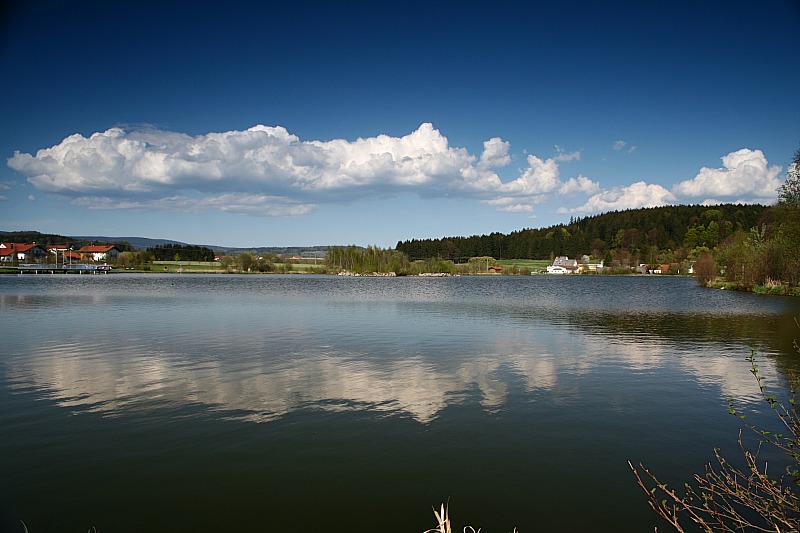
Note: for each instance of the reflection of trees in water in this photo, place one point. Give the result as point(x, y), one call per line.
point(770, 335)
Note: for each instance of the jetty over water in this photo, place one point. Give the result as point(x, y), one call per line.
point(78, 268)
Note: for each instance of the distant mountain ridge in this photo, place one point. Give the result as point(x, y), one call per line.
point(50, 238)
point(136, 242)
point(141, 243)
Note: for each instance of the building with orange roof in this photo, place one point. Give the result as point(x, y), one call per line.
point(99, 253)
point(17, 252)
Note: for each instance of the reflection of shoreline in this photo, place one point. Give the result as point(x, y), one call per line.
point(775, 334)
point(79, 378)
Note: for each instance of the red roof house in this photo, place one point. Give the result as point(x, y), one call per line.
point(99, 253)
point(21, 252)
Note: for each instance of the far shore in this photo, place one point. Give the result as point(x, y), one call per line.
point(512, 268)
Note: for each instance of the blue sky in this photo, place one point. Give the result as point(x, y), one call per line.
point(315, 123)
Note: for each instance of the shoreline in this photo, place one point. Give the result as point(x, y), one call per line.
point(773, 289)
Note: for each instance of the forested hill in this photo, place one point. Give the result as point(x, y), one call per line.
point(47, 239)
point(635, 232)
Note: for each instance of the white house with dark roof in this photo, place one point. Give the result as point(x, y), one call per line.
point(564, 265)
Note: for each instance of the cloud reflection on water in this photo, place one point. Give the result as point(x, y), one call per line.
point(258, 348)
point(81, 377)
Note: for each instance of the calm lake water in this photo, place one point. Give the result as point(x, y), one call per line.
point(319, 403)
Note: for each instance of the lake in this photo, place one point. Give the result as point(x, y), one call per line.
point(321, 403)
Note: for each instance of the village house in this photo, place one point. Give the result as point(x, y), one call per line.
point(99, 253)
point(665, 268)
point(564, 265)
point(15, 252)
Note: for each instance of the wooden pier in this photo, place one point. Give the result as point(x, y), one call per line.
point(79, 268)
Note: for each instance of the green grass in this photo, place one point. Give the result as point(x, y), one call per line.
point(186, 266)
point(531, 264)
point(296, 266)
point(777, 289)
point(771, 288)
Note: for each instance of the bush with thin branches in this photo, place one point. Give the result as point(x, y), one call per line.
point(747, 498)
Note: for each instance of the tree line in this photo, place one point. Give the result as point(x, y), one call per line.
point(646, 235)
point(370, 259)
point(179, 252)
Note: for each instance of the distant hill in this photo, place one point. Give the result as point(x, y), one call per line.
point(141, 243)
point(80, 240)
point(136, 242)
point(35, 236)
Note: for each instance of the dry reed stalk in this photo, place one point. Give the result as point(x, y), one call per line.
point(443, 518)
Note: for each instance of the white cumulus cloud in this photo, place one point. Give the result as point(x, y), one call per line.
point(639, 194)
point(267, 171)
point(745, 177)
point(495, 153)
point(745, 174)
point(542, 178)
point(581, 184)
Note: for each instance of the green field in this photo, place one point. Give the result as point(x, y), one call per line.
point(531, 264)
point(296, 266)
point(186, 266)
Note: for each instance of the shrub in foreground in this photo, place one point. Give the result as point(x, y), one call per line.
point(735, 498)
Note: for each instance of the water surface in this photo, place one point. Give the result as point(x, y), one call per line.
point(246, 403)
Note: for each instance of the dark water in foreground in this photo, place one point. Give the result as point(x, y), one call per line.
point(253, 403)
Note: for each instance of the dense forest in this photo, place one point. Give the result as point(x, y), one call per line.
point(666, 233)
point(178, 252)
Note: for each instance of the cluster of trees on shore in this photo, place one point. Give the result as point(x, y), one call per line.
point(766, 258)
point(649, 235)
point(369, 259)
point(178, 252)
point(250, 262)
point(373, 259)
point(244, 262)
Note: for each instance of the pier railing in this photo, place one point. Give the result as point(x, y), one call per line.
point(53, 267)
